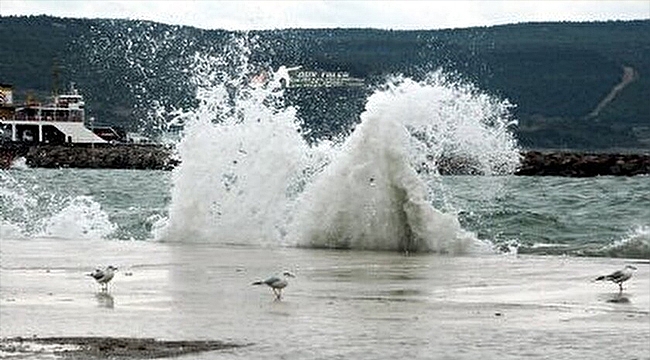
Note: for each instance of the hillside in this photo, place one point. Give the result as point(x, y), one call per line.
point(566, 79)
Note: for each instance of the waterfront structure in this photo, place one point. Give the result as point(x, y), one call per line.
point(323, 79)
point(296, 77)
point(57, 122)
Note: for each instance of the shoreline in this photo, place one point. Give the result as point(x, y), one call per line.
point(160, 157)
point(436, 304)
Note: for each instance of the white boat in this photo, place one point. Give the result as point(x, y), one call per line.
point(60, 121)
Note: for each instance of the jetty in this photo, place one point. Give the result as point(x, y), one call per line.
point(162, 157)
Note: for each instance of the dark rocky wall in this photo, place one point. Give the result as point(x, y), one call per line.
point(153, 157)
point(150, 157)
point(570, 164)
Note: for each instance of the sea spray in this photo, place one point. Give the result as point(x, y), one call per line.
point(147, 64)
point(377, 193)
point(15, 203)
point(243, 159)
point(81, 218)
point(30, 208)
point(248, 177)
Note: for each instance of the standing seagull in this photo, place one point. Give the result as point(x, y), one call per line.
point(103, 276)
point(619, 276)
point(276, 283)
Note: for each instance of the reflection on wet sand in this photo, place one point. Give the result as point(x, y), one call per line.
point(105, 300)
point(617, 298)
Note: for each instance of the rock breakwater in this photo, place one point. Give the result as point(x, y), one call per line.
point(572, 164)
point(151, 157)
point(158, 157)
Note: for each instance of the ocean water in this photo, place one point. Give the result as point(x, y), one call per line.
point(392, 258)
point(603, 216)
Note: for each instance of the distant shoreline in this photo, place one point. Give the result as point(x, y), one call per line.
point(159, 157)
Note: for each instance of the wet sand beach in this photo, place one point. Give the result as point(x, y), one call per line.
point(342, 304)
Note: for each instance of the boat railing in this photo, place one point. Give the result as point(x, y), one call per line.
point(36, 118)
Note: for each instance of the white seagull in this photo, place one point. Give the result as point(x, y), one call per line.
point(276, 283)
point(619, 276)
point(103, 276)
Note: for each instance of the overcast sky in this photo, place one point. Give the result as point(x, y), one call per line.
point(404, 14)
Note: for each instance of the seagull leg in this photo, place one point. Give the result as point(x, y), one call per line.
point(620, 288)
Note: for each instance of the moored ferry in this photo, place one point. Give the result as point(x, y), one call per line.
point(60, 121)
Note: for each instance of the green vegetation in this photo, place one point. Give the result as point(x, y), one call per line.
point(555, 73)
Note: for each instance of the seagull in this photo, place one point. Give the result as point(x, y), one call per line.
point(103, 276)
point(276, 283)
point(619, 276)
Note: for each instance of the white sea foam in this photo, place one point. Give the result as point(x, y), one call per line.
point(636, 244)
point(248, 177)
point(29, 209)
point(241, 156)
point(374, 195)
point(9, 230)
point(15, 203)
point(82, 218)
